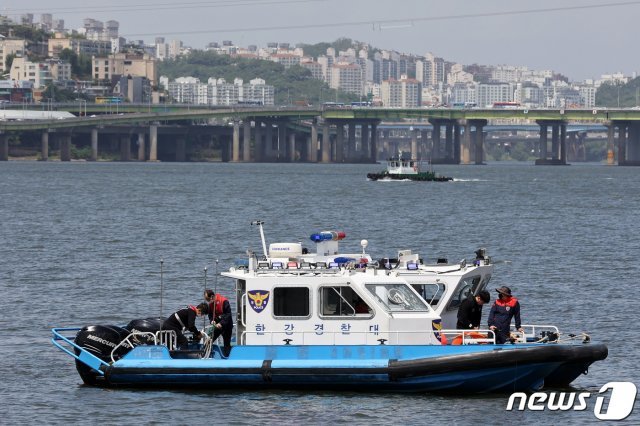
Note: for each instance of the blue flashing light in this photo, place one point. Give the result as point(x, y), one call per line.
point(321, 236)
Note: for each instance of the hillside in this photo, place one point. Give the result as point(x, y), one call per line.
point(292, 86)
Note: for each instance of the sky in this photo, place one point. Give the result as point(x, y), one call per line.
point(581, 39)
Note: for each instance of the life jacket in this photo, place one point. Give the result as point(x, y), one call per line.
point(217, 305)
point(510, 302)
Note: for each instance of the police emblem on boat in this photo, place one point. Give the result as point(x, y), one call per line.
point(437, 326)
point(258, 299)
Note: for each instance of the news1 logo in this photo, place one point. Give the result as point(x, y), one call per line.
point(618, 406)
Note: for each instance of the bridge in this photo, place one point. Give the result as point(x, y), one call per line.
point(330, 134)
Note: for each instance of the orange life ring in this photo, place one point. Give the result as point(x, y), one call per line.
point(468, 335)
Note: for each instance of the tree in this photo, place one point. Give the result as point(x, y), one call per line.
point(9, 61)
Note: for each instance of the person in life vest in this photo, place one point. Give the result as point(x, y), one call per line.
point(220, 317)
point(503, 310)
point(185, 319)
point(470, 311)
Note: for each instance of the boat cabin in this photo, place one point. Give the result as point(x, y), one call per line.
point(291, 297)
point(400, 166)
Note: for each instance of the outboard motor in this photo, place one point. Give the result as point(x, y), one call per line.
point(147, 325)
point(100, 340)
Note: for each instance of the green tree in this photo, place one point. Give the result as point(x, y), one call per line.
point(80, 64)
point(9, 61)
point(619, 95)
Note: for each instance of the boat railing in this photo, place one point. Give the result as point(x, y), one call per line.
point(537, 332)
point(333, 338)
point(166, 338)
point(467, 337)
point(298, 271)
point(132, 340)
point(80, 354)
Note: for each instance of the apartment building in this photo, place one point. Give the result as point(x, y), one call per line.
point(219, 92)
point(286, 59)
point(78, 45)
point(38, 73)
point(104, 68)
point(11, 47)
point(314, 67)
point(490, 93)
point(347, 77)
point(257, 92)
point(403, 93)
point(431, 70)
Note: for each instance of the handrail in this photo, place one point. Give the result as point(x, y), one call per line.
point(85, 356)
point(131, 344)
point(467, 339)
point(381, 337)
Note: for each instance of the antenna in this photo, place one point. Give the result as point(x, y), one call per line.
point(161, 290)
point(204, 321)
point(215, 280)
point(264, 243)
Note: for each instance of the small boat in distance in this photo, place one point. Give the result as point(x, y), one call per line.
point(399, 168)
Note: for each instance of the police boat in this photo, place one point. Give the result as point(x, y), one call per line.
point(342, 321)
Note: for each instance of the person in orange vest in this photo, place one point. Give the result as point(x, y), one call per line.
point(502, 311)
point(220, 317)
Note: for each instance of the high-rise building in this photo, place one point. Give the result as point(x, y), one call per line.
point(347, 77)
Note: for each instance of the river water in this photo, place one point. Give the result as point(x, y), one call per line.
point(81, 243)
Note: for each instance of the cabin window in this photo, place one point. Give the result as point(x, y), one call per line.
point(464, 289)
point(397, 297)
point(342, 301)
point(291, 302)
point(431, 293)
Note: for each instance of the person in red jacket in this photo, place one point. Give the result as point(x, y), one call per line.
point(220, 317)
point(503, 310)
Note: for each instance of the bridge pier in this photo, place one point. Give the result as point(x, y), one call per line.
point(65, 146)
point(448, 139)
point(125, 147)
point(478, 145)
point(628, 142)
point(4, 147)
point(246, 141)
point(351, 141)
point(181, 149)
point(235, 147)
point(268, 141)
point(141, 145)
point(558, 143)
point(326, 144)
point(281, 153)
point(313, 149)
point(364, 141)
point(414, 143)
point(258, 146)
point(373, 153)
point(44, 146)
point(633, 145)
point(339, 157)
point(456, 143)
point(153, 142)
point(94, 144)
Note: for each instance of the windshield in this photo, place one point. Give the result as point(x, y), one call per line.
point(397, 297)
